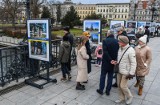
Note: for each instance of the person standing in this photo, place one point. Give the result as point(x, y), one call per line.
point(82, 58)
point(99, 53)
point(70, 39)
point(144, 58)
point(147, 32)
point(87, 44)
point(64, 58)
point(127, 68)
point(110, 52)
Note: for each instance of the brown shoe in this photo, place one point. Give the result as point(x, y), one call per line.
point(140, 91)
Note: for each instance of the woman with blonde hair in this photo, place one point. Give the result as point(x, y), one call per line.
point(82, 57)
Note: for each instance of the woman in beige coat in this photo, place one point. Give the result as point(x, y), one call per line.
point(143, 57)
point(82, 57)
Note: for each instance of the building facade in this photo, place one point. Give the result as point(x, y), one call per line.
point(113, 11)
point(84, 10)
point(142, 10)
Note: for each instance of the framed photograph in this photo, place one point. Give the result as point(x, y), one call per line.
point(39, 39)
point(148, 24)
point(37, 29)
point(116, 24)
point(141, 24)
point(131, 27)
point(94, 27)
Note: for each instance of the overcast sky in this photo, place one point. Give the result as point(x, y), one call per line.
point(97, 1)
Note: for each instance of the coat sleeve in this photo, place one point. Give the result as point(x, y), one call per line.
point(133, 63)
point(61, 51)
point(149, 57)
point(84, 54)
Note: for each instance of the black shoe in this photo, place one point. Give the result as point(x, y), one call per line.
point(107, 93)
point(114, 85)
point(80, 87)
point(100, 92)
point(85, 81)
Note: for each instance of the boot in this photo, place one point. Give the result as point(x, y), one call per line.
point(140, 90)
point(137, 84)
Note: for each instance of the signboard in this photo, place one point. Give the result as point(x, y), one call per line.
point(148, 24)
point(39, 39)
point(131, 27)
point(94, 27)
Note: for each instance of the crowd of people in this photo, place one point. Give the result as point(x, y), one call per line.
point(132, 61)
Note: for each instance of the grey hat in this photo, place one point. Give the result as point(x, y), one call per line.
point(119, 29)
point(123, 39)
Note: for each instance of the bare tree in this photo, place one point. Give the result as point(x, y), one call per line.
point(10, 9)
point(35, 7)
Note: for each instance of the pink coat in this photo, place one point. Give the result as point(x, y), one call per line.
point(96, 52)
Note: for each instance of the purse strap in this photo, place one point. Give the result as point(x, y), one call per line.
point(123, 54)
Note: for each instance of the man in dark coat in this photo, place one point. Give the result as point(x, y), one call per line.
point(147, 32)
point(87, 34)
point(70, 39)
point(110, 53)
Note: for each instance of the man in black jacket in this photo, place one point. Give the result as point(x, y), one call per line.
point(70, 39)
point(110, 53)
point(147, 32)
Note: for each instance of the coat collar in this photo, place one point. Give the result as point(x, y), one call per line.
point(110, 36)
point(125, 47)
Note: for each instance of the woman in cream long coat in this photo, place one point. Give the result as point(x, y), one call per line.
point(82, 57)
point(143, 57)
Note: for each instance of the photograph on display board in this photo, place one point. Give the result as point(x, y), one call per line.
point(153, 24)
point(131, 27)
point(116, 24)
point(94, 27)
point(39, 49)
point(38, 29)
point(38, 39)
point(148, 24)
point(141, 24)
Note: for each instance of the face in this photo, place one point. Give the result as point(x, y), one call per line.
point(65, 32)
point(87, 37)
point(140, 43)
point(119, 32)
point(121, 44)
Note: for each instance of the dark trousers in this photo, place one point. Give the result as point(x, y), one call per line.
point(99, 60)
point(109, 80)
point(64, 69)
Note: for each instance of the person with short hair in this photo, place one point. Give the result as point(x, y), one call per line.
point(64, 51)
point(71, 41)
point(110, 52)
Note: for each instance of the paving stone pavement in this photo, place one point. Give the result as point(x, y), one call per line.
point(64, 93)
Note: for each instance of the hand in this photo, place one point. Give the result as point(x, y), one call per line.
point(145, 64)
point(129, 76)
point(113, 62)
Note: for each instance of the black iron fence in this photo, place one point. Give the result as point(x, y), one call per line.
point(15, 62)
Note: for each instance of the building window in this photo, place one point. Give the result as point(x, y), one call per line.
point(125, 16)
point(126, 10)
point(107, 10)
point(115, 16)
point(110, 16)
point(118, 16)
point(122, 10)
point(122, 16)
point(98, 10)
point(103, 10)
point(115, 10)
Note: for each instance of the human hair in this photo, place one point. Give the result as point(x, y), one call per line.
point(82, 42)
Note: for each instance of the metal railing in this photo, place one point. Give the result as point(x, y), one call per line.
point(15, 62)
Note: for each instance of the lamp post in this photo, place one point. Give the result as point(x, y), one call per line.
point(28, 9)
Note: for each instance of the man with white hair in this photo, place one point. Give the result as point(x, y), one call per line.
point(110, 52)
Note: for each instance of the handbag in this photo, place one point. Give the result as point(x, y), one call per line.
point(116, 67)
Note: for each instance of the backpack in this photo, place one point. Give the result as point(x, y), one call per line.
point(100, 51)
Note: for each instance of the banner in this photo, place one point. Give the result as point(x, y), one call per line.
point(38, 39)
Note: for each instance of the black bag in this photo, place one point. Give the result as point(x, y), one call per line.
point(116, 67)
point(100, 51)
